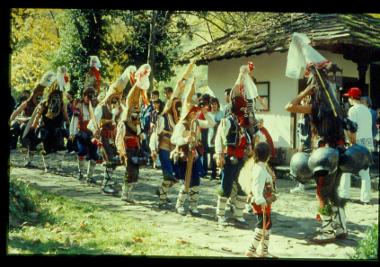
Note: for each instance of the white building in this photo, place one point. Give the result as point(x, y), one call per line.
point(330, 36)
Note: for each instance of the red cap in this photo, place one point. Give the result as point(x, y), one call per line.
point(354, 92)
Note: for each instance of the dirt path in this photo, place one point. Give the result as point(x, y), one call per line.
point(293, 215)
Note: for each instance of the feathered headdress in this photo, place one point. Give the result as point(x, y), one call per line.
point(93, 78)
point(244, 84)
point(140, 87)
point(119, 85)
point(188, 103)
point(95, 62)
point(46, 80)
point(300, 55)
point(63, 79)
point(142, 77)
point(180, 87)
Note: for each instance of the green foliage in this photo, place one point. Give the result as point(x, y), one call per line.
point(43, 39)
point(325, 210)
point(369, 245)
point(34, 36)
point(87, 229)
point(24, 205)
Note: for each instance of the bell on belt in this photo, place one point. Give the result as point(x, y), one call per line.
point(233, 160)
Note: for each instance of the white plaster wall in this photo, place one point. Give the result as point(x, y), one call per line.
point(350, 68)
point(270, 67)
point(223, 74)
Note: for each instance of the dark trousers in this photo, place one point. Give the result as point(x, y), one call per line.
point(228, 175)
point(85, 147)
point(14, 132)
point(195, 178)
point(132, 167)
point(212, 162)
point(30, 141)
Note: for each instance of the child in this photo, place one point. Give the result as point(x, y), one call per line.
point(262, 198)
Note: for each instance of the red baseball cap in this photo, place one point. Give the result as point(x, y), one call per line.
point(354, 92)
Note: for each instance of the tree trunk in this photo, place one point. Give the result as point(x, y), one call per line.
point(151, 46)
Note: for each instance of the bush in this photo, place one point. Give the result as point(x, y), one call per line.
point(368, 247)
point(22, 204)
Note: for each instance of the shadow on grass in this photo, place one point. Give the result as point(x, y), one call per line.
point(38, 247)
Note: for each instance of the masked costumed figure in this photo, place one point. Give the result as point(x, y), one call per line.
point(129, 134)
point(49, 122)
point(160, 139)
point(246, 87)
point(329, 157)
point(93, 78)
point(22, 118)
point(87, 151)
point(187, 138)
point(103, 126)
point(232, 147)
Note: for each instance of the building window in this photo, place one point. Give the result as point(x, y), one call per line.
point(263, 89)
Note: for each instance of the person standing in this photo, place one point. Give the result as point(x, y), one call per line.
point(160, 145)
point(26, 111)
point(365, 100)
point(361, 115)
point(87, 151)
point(217, 115)
point(261, 201)
point(187, 137)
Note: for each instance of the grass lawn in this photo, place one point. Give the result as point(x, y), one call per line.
point(65, 227)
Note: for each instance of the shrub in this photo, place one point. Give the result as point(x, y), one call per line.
point(368, 246)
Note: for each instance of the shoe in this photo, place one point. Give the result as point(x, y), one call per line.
point(340, 234)
point(222, 221)
point(324, 237)
point(297, 190)
point(91, 180)
point(251, 254)
point(181, 210)
point(109, 190)
point(195, 212)
point(241, 222)
point(266, 255)
point(80, 177)
point(164, 206)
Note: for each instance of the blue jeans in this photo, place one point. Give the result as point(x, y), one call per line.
point(166, 164)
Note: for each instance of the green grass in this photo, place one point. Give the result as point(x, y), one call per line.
point(369, 245)
point(67, 227)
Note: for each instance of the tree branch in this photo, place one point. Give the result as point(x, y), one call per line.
point(209, 31)
point(55, 23)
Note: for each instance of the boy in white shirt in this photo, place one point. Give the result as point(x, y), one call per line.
point(361, 115)
point(262, 199)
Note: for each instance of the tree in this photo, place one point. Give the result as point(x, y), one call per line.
point(34, 36)
point(120, 38)
point(82, 33)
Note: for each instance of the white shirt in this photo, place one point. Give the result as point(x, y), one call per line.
point(217, 116)
point(179, 130)
point(221, 135)
point(260, 176)
point(74, 119)
point(360, 114)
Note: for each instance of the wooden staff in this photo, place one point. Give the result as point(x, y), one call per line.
point(264, 221)
point(92, 115)
point(190, 155)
